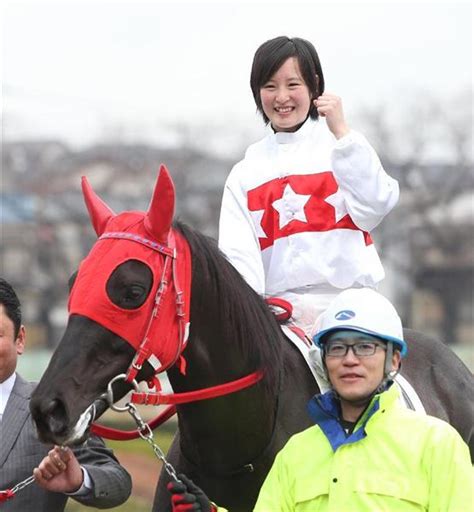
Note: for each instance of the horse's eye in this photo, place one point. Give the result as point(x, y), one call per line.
point(129, 284)
point(133, 293)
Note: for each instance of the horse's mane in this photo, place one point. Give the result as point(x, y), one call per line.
point(247, 318)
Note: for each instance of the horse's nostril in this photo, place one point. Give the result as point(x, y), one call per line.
point(49, 407)
point(54, 415)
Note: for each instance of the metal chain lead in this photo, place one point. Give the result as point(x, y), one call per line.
point(19, 486)
point(145, 432)
point(24, 483)
point(11, 493)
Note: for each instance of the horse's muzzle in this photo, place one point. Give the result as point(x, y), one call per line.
point(51, 419)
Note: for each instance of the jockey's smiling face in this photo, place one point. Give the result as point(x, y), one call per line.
point(286, 98)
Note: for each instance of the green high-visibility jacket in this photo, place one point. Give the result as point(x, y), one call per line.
point(395, 460)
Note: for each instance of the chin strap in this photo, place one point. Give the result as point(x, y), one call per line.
point(127, 435)
point(388, 374)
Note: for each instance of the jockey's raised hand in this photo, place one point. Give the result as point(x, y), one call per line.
point(330, 107)
point(187, 496)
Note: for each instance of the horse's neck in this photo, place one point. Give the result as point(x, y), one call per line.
point(229, 431)
point(232, 335)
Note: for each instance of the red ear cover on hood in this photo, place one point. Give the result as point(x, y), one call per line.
point(161, 210)
point(99, 212)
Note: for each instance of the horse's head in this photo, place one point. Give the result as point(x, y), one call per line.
point(128, 313)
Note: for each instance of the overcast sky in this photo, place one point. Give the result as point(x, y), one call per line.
point(73, 69)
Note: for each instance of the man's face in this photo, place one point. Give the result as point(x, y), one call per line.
point(355, 377)
point(10, 347)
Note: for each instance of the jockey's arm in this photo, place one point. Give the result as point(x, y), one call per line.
point(238, 239)
point(369, 192)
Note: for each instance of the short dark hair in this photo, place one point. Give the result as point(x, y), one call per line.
point(273, 53)
point(11, 304)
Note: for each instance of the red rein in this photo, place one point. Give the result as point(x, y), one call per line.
point(158, 398)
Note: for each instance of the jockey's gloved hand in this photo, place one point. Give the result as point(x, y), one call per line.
point(186, 496)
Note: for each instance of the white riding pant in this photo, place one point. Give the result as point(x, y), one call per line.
point(308, 305)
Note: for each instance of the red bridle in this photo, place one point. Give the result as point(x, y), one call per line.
point(169, 281)
point(169, 276)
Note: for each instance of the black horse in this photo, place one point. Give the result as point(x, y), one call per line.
point(226, 444)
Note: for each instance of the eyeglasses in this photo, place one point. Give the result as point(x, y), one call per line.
point(362, 349)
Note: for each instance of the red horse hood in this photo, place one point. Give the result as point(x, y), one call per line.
point(148, 238)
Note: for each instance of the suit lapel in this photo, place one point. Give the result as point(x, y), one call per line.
point(15, 414)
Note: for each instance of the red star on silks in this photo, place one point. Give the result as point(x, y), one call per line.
point(298, 204)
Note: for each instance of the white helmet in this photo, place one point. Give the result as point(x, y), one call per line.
point(363, 310)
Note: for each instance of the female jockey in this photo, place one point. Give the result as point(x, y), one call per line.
point(297, 211)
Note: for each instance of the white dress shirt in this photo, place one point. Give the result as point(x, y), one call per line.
point(5, 390)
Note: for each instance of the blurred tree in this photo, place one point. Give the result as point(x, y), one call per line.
point(427, 239)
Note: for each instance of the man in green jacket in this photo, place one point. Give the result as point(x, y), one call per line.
point(366, 451)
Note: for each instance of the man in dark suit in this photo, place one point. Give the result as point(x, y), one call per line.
point(89, 473)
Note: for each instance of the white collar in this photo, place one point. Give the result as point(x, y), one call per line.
point(292, 137)
point(5, 390)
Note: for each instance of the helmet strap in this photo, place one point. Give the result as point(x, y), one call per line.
point(388, 360)
point(388, 374)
